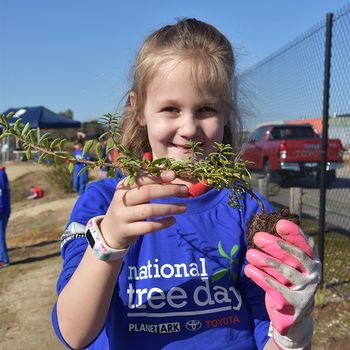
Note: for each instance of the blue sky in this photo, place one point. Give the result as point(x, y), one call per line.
point(77, 54)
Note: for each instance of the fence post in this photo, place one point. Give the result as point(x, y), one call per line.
point(262, 186)
point(296, 200)
point(325, 116)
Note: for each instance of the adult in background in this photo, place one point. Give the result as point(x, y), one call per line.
point(5, 210)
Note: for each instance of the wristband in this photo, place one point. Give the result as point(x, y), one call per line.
point(99, 247)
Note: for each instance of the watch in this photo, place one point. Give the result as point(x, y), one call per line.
point(99, 246)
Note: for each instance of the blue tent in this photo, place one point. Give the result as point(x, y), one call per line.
point(41, 118)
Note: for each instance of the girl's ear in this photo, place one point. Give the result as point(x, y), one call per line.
point(132, 99)
point(133, 104)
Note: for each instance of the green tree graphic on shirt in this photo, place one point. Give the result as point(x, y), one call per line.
point(222, 272)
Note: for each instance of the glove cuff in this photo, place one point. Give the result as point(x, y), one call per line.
point(299, 335)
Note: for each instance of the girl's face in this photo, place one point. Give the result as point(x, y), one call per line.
point(175, 114)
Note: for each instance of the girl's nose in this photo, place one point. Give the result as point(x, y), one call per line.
point(189, 127)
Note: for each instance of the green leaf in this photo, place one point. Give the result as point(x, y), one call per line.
point(61, 154)
point(233, 250)
point(176, 165)
point(5, 134)
point(110, 143)
point(43, 137)
point(17, 124)
point(103, 135)
point(221, 251)
point(99, 150)
point(46, 143)
point(111, 172)
point(109, 149)
point(28, 153)
point(71, 167)
point(121, 148)
point(82, 171)
point(54, 143)
point(87, 147)
point(32, 136)
point(4, 121)
point(10, 115)
point(218, 275)
point(61, 145)
point(158, 161)
point(25, 129)
point(42, 158)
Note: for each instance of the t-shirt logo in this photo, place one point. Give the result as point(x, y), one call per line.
point(154, 289)
point(222, 272)
point(193, 325)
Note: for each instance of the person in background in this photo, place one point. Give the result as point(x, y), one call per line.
point(80, 181)
point(5, 211)
point(81, 136)
point(36, 192)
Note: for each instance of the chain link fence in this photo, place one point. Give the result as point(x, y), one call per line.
point(288, 87)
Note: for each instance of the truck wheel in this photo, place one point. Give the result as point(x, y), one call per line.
point(267, 170)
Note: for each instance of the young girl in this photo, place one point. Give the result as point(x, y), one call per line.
point(160, 264)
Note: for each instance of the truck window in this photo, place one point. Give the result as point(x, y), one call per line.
point(286, 132)
point(275, 134)
point(262, 132)
point(258, 134)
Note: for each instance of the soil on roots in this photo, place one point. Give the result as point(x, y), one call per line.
point(264, 222)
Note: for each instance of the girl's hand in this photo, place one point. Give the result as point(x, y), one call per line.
point(289, 273)
point(125, 220)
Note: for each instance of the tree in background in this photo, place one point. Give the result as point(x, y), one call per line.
point(68, 113)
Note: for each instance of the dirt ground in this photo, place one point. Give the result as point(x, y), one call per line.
point(27, 286)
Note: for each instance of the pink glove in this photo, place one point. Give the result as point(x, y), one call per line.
point(289, 273)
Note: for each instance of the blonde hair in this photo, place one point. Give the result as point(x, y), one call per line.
point(212, 70)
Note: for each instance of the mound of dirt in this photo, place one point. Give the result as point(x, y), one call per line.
point(40, 220)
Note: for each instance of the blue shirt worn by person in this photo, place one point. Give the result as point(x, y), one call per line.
point(179, 288)
point(78, 154)
point(5, 206)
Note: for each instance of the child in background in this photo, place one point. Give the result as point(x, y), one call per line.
point(5, 211)
point(36, 192)
point(80, 181)
point(126, 286)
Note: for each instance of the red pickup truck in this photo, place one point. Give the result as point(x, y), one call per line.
point(290, 150)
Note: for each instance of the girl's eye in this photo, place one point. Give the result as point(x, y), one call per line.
point(170, 109)
point(207, 110)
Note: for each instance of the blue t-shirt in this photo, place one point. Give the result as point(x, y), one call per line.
point(178, 288)
point(5, 206)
